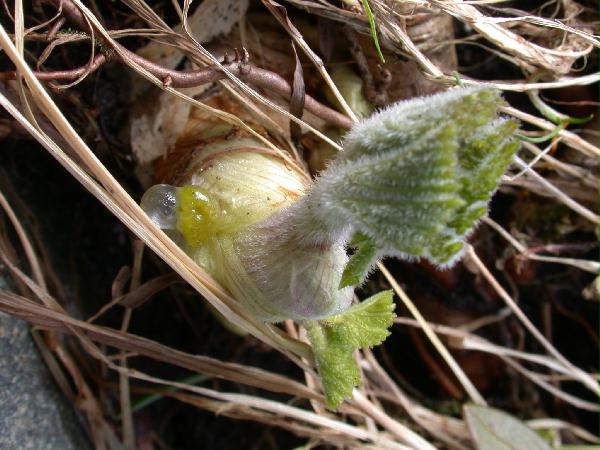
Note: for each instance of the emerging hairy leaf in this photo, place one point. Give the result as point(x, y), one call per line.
point(335, 339)
point(359, 263)
point(337, 368)
point(483, 159)
point(417, 176)
point(366, 324)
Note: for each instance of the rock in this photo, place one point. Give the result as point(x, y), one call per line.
point(33, 413)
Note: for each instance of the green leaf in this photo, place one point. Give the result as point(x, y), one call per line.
point(358, 266)
point(401, 199)
point(482, 158)
point(365, 324)
point(337, 368)
point(493, 429)
point(405, 122)
point(335, 339)
point(415, 178)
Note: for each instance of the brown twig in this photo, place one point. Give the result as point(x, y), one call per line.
point(240, 68)
point(55, 75)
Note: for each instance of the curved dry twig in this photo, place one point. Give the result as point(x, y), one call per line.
point(239, 67)
point(57, 75)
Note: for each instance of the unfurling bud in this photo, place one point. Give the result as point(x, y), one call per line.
point(227, 220)
point(411, 182)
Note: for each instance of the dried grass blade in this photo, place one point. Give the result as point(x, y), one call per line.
point(557, 193)
point(280, 13)
point(527, 52)
point(45, 317)
point(577, 373)
point(439, 346)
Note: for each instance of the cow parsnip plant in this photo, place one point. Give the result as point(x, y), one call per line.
point(411, 182)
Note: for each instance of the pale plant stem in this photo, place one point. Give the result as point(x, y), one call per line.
point(561, 196)
point(484, 321)
point(536, 379)
point(584, 175)
point(124, 390)
point(568, 137)
point(525, 86)
point(506, 235)
point(534, 161)
point(20, 49)
point(555, 377)
point(583, 377)
point(557, 424)
point(124, 394)
point(435, 340)
point(583, 264)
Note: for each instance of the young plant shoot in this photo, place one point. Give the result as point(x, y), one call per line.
point(411, 182)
